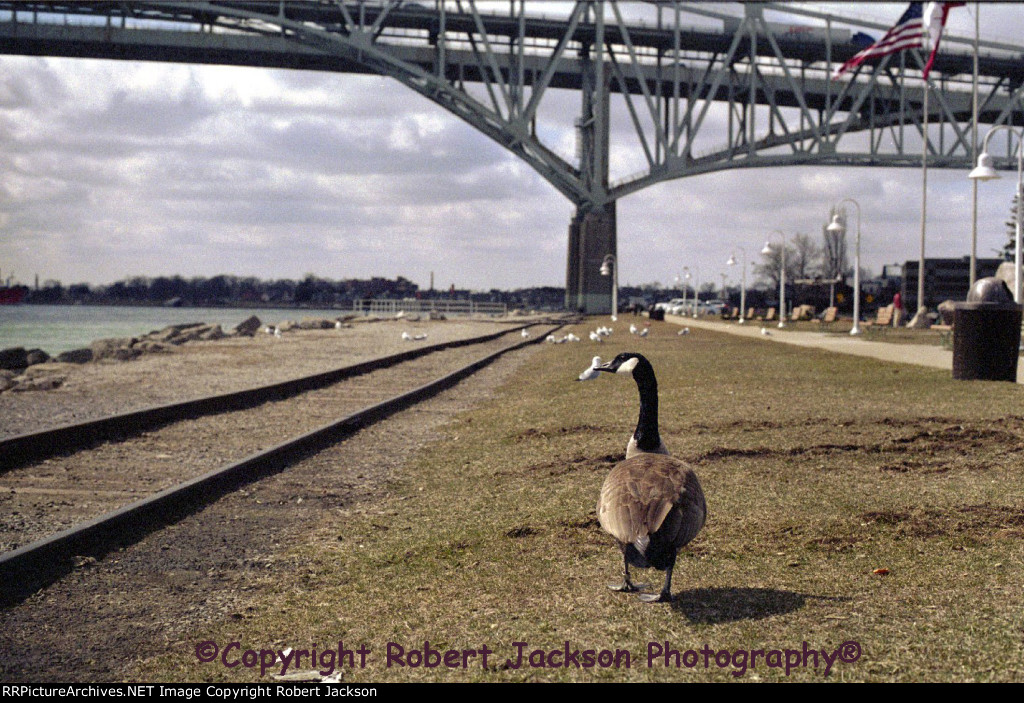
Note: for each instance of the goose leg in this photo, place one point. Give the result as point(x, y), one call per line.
point(627, 585)
point(666, 591)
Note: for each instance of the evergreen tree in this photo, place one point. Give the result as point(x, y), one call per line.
point(1011, 231)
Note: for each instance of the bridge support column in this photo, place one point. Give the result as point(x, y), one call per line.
point(591, 238)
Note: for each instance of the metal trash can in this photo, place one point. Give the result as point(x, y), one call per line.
point(658, 314)
point(986, 333)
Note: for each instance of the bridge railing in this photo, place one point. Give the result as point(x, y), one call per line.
point(412, 305)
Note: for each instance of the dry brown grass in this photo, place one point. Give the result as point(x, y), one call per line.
point(819, 470)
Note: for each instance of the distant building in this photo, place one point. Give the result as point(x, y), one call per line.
point(944, 279)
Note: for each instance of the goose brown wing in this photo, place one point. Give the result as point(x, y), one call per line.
point(641, 492)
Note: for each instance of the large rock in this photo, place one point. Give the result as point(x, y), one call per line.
point(248, 327)
point(315, 323)
point(211, 332)
point(75, 356)
point(118, 348)
point(37, 356)
point(13, 358)
point(946, 308)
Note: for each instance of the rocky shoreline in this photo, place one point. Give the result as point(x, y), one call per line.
point(34, 370)
point(182, 362)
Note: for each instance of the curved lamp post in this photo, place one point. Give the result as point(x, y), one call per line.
point(782, 276)
point(743, 289)
point(836, 227)
point(984, 171)
point(610, 267)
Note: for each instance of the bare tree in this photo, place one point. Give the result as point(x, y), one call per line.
point(802, 255)
point(833, 252)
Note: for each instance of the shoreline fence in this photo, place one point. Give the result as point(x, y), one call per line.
point(446, 307)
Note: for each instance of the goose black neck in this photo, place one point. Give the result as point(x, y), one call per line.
point(646, 435)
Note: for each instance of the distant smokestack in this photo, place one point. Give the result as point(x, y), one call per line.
point(431, 281)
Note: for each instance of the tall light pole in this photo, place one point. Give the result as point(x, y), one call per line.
point(782, 276)
point(743, 286)
point(696, 287)
point(984, 171)
point(836, 227)
point(610, 267)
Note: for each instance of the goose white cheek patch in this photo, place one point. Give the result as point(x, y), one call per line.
point(628, 366)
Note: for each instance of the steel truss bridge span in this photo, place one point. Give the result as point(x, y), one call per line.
point(683, 90)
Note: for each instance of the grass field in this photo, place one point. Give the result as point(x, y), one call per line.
point(821, 471)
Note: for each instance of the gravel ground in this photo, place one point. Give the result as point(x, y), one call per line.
point(203, 368)
point(46, 497)
point(99, 622)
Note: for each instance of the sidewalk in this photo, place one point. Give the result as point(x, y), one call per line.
point(920, 354)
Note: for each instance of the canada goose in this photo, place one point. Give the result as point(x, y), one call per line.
point(651, 503)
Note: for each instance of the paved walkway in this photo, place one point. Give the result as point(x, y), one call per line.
point(921, 354)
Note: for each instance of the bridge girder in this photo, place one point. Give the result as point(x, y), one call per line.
point(671, 90)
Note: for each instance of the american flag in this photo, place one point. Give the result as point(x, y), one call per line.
point(917, 27)
point(907, 33)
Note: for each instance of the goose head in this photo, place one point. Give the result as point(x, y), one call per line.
point(646, 438)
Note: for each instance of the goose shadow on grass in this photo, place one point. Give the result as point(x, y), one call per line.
point(715, 606)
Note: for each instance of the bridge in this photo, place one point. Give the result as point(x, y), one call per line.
point(700, 89)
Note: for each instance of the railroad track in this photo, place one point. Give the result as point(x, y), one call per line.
point(83, 490)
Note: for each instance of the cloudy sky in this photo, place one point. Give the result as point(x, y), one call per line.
point(116, 169)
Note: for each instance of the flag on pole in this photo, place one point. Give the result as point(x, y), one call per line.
point(934, 21)
point(907, 33)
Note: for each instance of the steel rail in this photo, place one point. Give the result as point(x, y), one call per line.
point(25, 570)
point(22, 449)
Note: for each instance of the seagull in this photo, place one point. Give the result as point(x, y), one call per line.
point(591, 372)
point(406, 336)
point(685, 330)
point(632, 329)
point(571, 337)
point(525, 334)
point(550, 339)
point(337, 325)
point(765, 332)
point(645, 331)
point(420, 336)
point(277, 331)
point(595, 337)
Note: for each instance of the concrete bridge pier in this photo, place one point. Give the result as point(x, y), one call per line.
point(591, 238)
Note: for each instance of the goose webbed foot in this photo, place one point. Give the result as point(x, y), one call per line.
point(666, 590)
point(662, 597)
point(627, 587)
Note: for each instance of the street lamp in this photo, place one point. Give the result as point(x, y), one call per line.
point(696, 287)
point(782, 276)
point(743, 288)
point(610, 267)
point(836, 227)
point(984, 171)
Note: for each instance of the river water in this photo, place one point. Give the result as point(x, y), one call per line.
point(59, 328)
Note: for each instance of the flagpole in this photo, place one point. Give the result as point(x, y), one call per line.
point(919, 318)
point(974, 148)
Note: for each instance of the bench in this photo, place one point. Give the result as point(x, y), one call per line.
point(829, 317)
